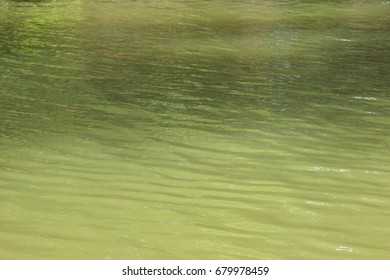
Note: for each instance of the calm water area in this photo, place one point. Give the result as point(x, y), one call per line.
point(195, 129)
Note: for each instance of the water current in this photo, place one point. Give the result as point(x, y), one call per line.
point(195, 129)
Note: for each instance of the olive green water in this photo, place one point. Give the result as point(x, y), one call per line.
point(195, 130)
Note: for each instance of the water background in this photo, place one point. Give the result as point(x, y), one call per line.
point(195, 129)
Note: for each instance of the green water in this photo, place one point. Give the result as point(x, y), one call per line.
point(195, 130)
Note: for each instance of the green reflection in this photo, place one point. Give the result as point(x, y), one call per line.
point(194, 130)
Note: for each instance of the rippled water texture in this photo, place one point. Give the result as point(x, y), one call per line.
point(194, 130)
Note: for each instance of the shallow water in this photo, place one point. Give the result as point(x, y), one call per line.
point(195, 130)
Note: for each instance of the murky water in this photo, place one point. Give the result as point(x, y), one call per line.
point(195, 130)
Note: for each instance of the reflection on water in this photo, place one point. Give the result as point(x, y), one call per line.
point(194, 130)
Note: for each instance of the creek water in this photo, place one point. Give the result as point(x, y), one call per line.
point(194, 129)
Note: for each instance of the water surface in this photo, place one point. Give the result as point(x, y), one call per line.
point(194, 130)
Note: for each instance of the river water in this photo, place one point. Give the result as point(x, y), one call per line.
point(195, 129)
